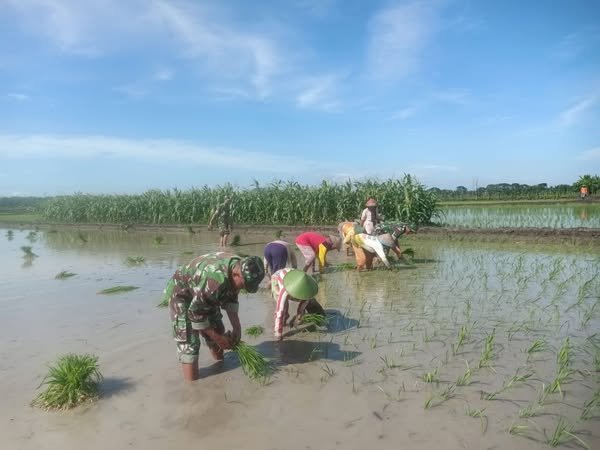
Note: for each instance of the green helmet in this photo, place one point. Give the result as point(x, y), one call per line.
point(253, 272)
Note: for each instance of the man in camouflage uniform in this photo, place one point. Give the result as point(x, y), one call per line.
point(197, 292)
point(223, 216)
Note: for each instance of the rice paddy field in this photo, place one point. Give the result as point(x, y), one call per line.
point(466, 346)
point(556, 216)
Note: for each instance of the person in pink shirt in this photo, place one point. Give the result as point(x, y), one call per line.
point(312, 244)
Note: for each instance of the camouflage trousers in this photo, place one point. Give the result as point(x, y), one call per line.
point(186, 338)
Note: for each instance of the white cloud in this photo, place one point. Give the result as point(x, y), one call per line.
point(217, 45)
point(575, 113)
point(163, 74)
point(398, 36)
point(318, 93)
point(18, 96)
point(590, 155)
point(159, 151)
point(404, 113)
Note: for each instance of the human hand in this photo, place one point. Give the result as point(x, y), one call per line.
point(234, 336)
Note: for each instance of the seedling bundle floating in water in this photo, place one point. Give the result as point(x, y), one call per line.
point(118, 289)
point(315, 319)
point(253, 363)
point(255, 330)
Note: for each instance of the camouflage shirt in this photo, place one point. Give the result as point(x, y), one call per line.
point(205, 286)
point(223, 215)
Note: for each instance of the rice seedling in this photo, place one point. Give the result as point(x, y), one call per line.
point(10, 235)
point(315, 319)
point(72, 380)
point(562, 434)
point(135, 260)
point(329, 372)
point(463, 334)
point(506, 385)
point(530, 410)
point(432, 376)
point(478, 413)
point(117, 290)
point(253, 363)
point(561, 377)
point(158, 240)
point(63, 275)
point(255, 330)
point(31, 236)
point(516, 429)
point(389, 363)
point(563, 358)
point(465, 378)
point(539, 345)
point(28, 252)
point(488, 349)
point(591, 406)
point(236, 241)
point(436, 399)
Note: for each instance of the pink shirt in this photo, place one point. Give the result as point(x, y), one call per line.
point(312, 239)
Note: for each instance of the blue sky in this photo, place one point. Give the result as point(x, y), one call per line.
point(129, 95)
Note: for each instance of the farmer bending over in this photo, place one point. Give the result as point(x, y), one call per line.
point(299, 287)
point(366, 247)
point(312, 244)
point(197, 292)
point(278, 255)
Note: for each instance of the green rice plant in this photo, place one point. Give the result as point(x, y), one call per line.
point(530, 410)
point(236, 241)
point(561, 377)
point(436, 399)
point(329, 372)
point(516, 429)
point(10, 234)
point(315, 319)
point(158, 240)
point(135, 260)
point(253, 363)
point(463, 335)
point(28, 252)
point(72, 380)
point(389, 363)
point(587, 412)
point(465, 378)
point(255, 330)
point(117, 290)
point(478, 413)
point(432, 376)
point(563, 358)
point(488, 349)
point(562, 434)
point(539, 345)
point(64, 275)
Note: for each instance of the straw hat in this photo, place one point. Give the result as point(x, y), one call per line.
point(371, 202)
point(300, 285)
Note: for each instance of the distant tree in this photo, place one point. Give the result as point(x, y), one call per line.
point(461, 189)
point(592, 182)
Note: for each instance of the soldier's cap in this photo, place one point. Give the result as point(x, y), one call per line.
point(300, 285)
point(253, 271)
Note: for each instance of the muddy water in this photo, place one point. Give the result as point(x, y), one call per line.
point(358, 384)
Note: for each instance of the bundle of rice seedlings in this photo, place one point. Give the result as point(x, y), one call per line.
point(237, 241)
point(72, 380)
point(135, 260)
point(158, 240)
point(64, 275)
point(253, 363)
point(315, 319)
point(118, 289)
point(255, 330)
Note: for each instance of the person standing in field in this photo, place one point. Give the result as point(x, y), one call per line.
point(197, 293)
point(314, 245)
point(223, 215)
point(369, 217)
point(278, 255)
point(300, 288)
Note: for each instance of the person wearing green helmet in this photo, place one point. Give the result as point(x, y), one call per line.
point(297, 286)
point(197, 293)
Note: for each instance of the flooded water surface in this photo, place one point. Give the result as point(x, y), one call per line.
point(466, 346)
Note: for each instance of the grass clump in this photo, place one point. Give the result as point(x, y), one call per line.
point(71, 381)
point(255, 330)
point(64, 275)
point(253, 363)
point(117, 290)
point(315, 319)
point(135, 260)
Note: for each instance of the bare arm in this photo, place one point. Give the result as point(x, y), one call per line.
point(236, 326)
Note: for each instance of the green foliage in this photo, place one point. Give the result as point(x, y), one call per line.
point(255, 330)
point(315, 319)
point(253, 363)
point(72, 380)
point(64, 275)
point(135, 260)
point(286, 203)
